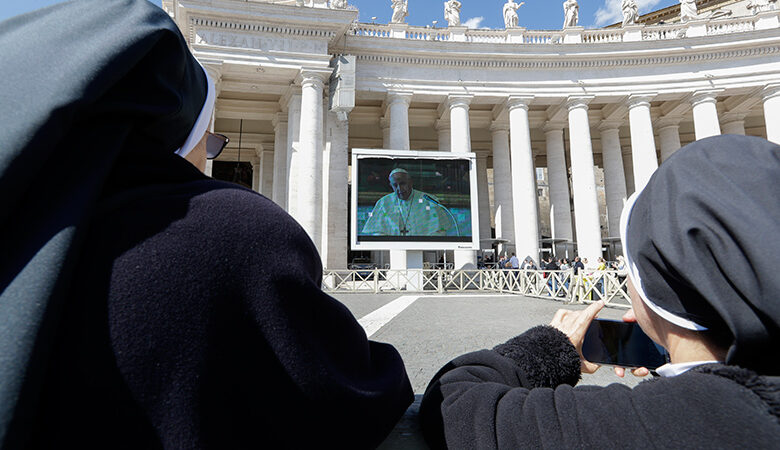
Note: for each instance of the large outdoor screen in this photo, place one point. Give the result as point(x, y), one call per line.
point(413, 200)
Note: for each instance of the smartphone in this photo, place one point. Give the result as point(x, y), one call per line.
point(623, 344)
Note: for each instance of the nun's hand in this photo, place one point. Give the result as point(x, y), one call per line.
point(639, 371)
point(574, 324)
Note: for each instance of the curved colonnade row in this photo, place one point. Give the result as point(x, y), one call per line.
point(624, 104)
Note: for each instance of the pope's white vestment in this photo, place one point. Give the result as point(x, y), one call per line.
point(416, 216)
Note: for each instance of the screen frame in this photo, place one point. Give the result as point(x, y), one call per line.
point(357, 245)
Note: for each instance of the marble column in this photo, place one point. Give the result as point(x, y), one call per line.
point(771, 96)
point(460, 142)
point(309, 171)
point(524, 198)
point(335, 206)
point(398, 105)
point(502, 185)
point(669, 135)
point(257, 171)
point(628, 164)
point(279, 191)
point(445, 135)
point(643, 150)
point(705, 113)
point(586, 205)
point(293, 149)
point(734, 125)
point(267, 166)
point(384, 124)
point(614, 176)
point(484, 202)
point(558, 177)
point(398, 139)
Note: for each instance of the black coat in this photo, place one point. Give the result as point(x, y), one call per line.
point(197, 321)
point(520, 395)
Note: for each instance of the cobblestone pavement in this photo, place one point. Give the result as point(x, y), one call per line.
point(437, 328)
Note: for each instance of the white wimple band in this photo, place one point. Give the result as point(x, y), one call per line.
point(633, 272)
point(204, 118)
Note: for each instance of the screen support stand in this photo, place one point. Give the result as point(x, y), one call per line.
point(408, 264)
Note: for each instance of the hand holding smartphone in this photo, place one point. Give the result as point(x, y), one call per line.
point(621, 344)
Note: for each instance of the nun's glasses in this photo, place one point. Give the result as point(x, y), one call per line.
point(215, 143)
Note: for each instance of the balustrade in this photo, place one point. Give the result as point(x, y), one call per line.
point(599, 36)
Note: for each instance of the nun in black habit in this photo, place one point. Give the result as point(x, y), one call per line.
point(699, 241)
point(143, 304)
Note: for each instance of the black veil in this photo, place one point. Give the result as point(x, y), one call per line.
point(92, 91)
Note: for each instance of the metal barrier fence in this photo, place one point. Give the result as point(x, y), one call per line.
point(563, 285)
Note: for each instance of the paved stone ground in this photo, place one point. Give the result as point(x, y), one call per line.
point(437, 328)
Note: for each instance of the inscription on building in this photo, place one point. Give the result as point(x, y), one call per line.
point(259, 42)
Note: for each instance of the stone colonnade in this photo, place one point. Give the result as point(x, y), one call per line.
point(307, 171)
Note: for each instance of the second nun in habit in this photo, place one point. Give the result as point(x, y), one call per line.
point(143, 304)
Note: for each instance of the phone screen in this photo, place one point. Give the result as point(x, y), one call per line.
point(621, 344)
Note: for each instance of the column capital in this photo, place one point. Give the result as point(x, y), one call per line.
point(579, 101)
point(215, 72)
point(519, 101)
point(454, 100)
point(666, 122)
point(733, 117)
point(313, 77)
point(286, 100)
point(666, 125)
point(607, 125)
point(498, 126)
point(280, 119)
point(705, 96)
point(442, 124)
point(554, 126)
point(642, 99)
point(770, 91)
point(394, 97)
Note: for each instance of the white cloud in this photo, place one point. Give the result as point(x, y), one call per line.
point(474, 22)
point(610, 12)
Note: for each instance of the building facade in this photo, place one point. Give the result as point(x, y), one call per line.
point(302, 83)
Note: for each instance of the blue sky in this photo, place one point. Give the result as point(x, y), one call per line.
point(535, 14)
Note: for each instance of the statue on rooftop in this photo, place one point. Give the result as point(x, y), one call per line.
point(510, 13)
point(688, 10)
point(571, 11)
point(400, 11)
point(452, 13)
point(762, 5)
point(338, 4)
point(630, 12)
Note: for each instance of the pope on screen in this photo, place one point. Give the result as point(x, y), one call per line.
point(409, 212)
